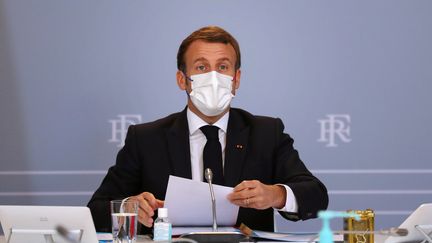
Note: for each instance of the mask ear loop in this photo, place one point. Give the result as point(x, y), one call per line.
point(187, 78)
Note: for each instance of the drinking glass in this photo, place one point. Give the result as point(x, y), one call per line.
point(124, 215)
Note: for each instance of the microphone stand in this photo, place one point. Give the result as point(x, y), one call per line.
point(209, 178)
point(215, 236)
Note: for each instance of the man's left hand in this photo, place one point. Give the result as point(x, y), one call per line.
point(254, 194)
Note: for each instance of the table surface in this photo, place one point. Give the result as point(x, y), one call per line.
point(142, 239)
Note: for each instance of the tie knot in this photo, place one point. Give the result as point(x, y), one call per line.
point(211, 132)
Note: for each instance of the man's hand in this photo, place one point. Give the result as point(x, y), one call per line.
point(147, 205)
point(254, 194)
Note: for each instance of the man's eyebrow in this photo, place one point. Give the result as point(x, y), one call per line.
point(200, 59)
point(225, 59)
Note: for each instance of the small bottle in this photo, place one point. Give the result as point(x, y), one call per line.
point(162, 226)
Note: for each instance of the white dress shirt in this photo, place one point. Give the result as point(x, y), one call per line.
point(197, 141)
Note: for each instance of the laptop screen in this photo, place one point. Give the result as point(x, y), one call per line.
point(421, 216)
point(35, 223)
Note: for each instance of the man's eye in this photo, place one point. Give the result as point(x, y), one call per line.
point(201, 68)
point(223, 67)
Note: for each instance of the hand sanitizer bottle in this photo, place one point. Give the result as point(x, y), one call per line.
point(162, 226)
point(326, 234)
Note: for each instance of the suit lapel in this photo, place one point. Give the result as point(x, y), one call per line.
point(236, 147)
point(178, 147)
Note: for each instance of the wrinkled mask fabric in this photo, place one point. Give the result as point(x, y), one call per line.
point(211, 92)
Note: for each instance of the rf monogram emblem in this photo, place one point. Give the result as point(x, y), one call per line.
point(119, 127)
point(336, 126)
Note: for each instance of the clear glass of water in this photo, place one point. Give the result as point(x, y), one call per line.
point(124, 215)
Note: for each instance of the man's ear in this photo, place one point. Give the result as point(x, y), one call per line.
point(236, 80)
point(181, 80)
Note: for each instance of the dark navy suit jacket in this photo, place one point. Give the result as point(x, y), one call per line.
point(155, 150)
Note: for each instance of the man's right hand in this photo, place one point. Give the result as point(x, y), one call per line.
point(147, 205)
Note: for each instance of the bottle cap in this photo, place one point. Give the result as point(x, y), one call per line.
point(162, 212)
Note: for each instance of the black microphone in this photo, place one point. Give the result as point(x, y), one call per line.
point(209, 177)
point(68, 234)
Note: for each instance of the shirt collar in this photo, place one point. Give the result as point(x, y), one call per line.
point(195, 122)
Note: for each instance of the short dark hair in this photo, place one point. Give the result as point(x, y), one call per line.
point(212, 34)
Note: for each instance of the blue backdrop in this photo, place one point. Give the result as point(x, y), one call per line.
point(350, 79)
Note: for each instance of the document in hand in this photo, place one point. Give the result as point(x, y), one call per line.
point(189, 203)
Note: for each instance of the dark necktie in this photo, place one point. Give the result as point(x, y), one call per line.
point(213, 153)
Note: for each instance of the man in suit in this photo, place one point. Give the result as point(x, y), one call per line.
point(247, 152)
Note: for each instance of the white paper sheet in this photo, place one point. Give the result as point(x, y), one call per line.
point(189, 203)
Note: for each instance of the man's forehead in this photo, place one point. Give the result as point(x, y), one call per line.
point(204, 50)
point(219, 59)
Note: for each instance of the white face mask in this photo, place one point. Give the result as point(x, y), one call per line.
point(211, 92)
